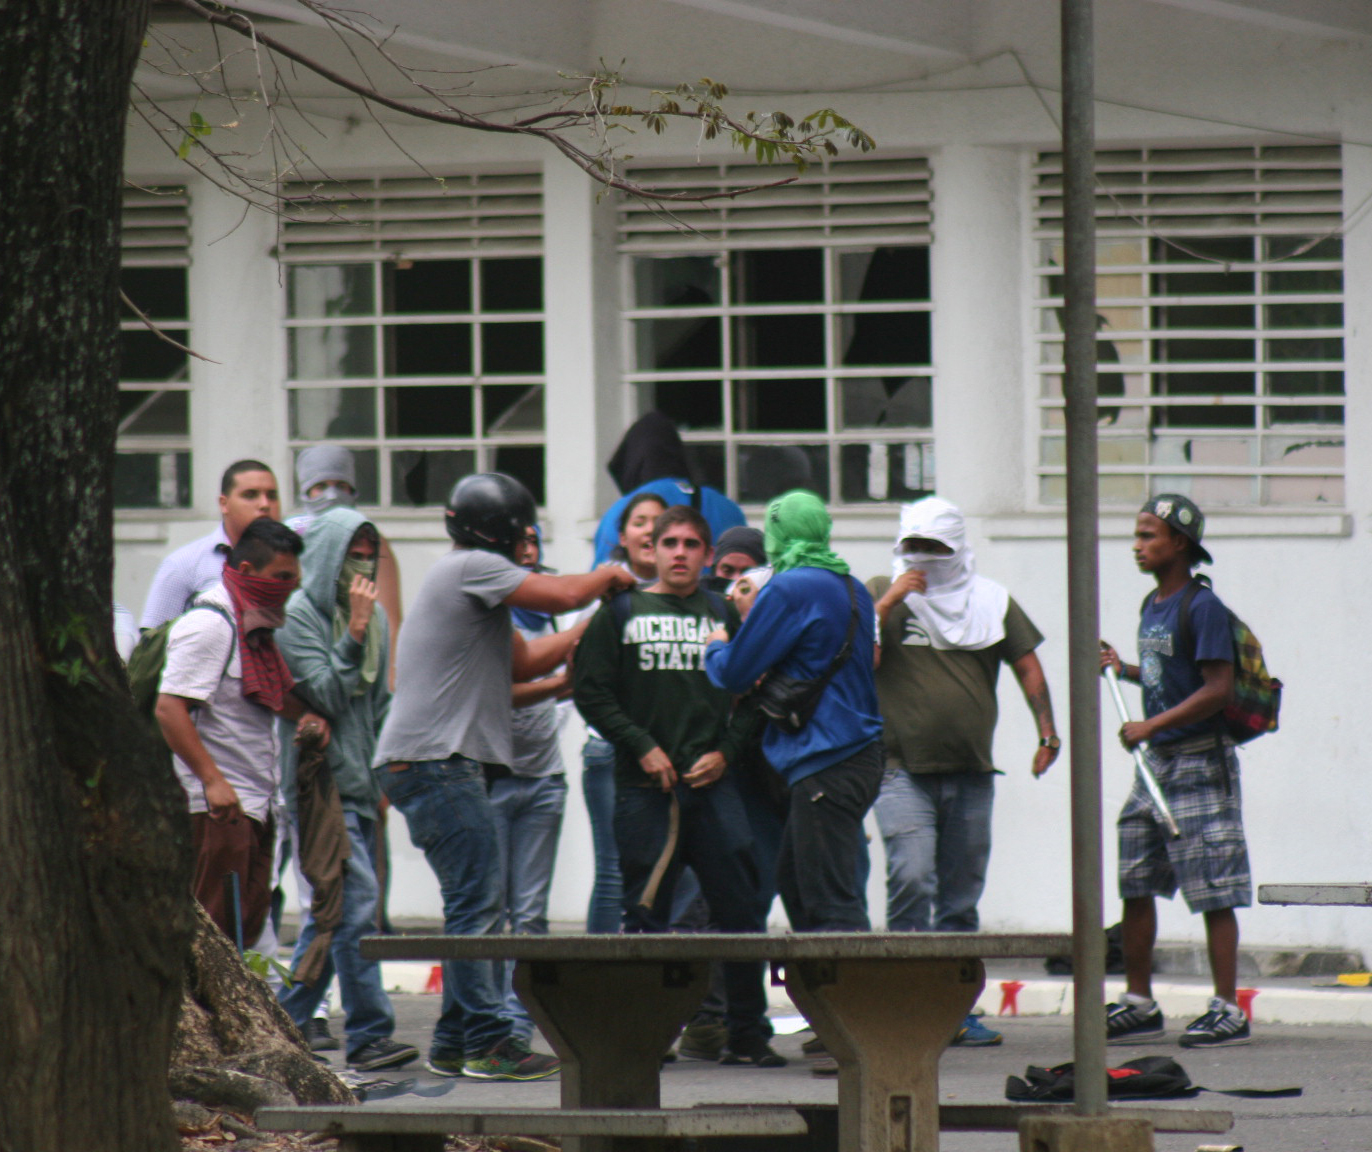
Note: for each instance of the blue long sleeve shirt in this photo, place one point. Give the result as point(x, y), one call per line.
point(797, 624)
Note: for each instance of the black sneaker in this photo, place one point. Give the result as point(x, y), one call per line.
point(760, 1056)
point(703, 1040)
point(512, 1059)
point(382, 1053)
point(318, 1036)
point(1129, 1023)
point(814, 1048)
point(1222, 1026)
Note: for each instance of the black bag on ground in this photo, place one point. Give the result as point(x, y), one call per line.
point(1147, 1078)
point(1114, 955)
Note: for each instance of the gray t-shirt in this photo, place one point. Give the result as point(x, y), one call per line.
point(452, 664)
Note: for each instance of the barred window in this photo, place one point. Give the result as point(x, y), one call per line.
point(788, 332)
point(414, 326)
point(152, 464)
point(1220, 326)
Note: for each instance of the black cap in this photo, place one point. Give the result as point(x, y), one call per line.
point(1180, 514)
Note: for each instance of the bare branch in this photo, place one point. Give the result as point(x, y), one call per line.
point(156, 331)
point(589, 107)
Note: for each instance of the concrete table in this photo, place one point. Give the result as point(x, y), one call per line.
point(885, 1006)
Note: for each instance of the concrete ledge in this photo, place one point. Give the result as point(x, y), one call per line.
point(742, 1120)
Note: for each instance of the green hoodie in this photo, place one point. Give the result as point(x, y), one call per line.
point(646, 687)
point(328, 671)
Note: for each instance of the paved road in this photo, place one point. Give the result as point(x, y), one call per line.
point(1332, 1062)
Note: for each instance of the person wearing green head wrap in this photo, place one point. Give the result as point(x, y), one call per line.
point(798, 623)
point(797, 534)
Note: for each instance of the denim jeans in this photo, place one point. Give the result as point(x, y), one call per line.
point(823, 845)
point(445, 804)
point(598, 788)
point(937, 832)
point(367, 1008)
point(528, 819)
point(716, 842)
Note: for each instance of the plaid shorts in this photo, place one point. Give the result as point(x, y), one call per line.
point(1210, 861)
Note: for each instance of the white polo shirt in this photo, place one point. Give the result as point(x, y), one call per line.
point(239, 735)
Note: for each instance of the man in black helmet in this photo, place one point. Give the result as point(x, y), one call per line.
point(449, 729)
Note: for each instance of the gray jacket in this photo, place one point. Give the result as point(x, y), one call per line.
point(327, 673)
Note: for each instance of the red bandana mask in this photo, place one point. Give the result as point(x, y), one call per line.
point(260, 607)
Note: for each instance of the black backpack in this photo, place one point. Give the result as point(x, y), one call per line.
point(1147, 1078)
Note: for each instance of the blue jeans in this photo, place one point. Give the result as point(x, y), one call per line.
point(528, 820)
point(598, 787)
point(937, 832)
point(445, 804)
point(369, 1015)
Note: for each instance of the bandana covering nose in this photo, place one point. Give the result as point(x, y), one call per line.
point(333, 496)
point(958, 609)
point(797, 534)
point(260, 607)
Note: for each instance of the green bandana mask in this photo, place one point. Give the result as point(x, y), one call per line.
point(371, 657)
point(797, 534)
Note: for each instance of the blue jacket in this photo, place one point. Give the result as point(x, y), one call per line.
point(797, 624)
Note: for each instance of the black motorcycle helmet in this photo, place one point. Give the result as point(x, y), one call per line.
point(490, 511)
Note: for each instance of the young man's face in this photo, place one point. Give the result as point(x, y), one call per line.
point(732, 565)
point(680, 554)
point(1156, 546)
point(526, 551)
point(283, 567)
point(254, 495)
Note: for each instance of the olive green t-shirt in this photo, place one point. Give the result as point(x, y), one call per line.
point(939, 705)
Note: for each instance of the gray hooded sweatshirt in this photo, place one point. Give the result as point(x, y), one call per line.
point(328, 672)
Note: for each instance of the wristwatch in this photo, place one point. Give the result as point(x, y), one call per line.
point(1050, 742)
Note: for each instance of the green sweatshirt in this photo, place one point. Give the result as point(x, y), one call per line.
point(647, 688)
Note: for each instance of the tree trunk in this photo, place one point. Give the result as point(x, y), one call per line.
point(235, 1047)
point(95, 913)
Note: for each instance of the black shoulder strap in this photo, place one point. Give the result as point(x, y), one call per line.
point(1186, 639)
point(842, 656)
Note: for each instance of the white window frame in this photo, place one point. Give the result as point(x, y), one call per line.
point(155, 233)
point(472, 216)
point(843, 207)
point(1256, 194)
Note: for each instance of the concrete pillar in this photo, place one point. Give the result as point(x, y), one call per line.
point(238, 406)
point(585, 409)
point(1357, 349)
point(1084, 1134)
point(979, 393)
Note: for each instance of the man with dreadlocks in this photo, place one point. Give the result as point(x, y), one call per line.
point(797, 626)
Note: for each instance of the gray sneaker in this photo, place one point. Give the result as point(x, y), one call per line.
point(382, 1053)
point(1222, 1026)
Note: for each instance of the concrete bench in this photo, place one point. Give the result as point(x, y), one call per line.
point(766, 1128)
point(1328, 895)
point(885, 1006)
point(422, 1127)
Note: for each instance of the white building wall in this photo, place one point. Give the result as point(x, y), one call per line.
point(1299, 578)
